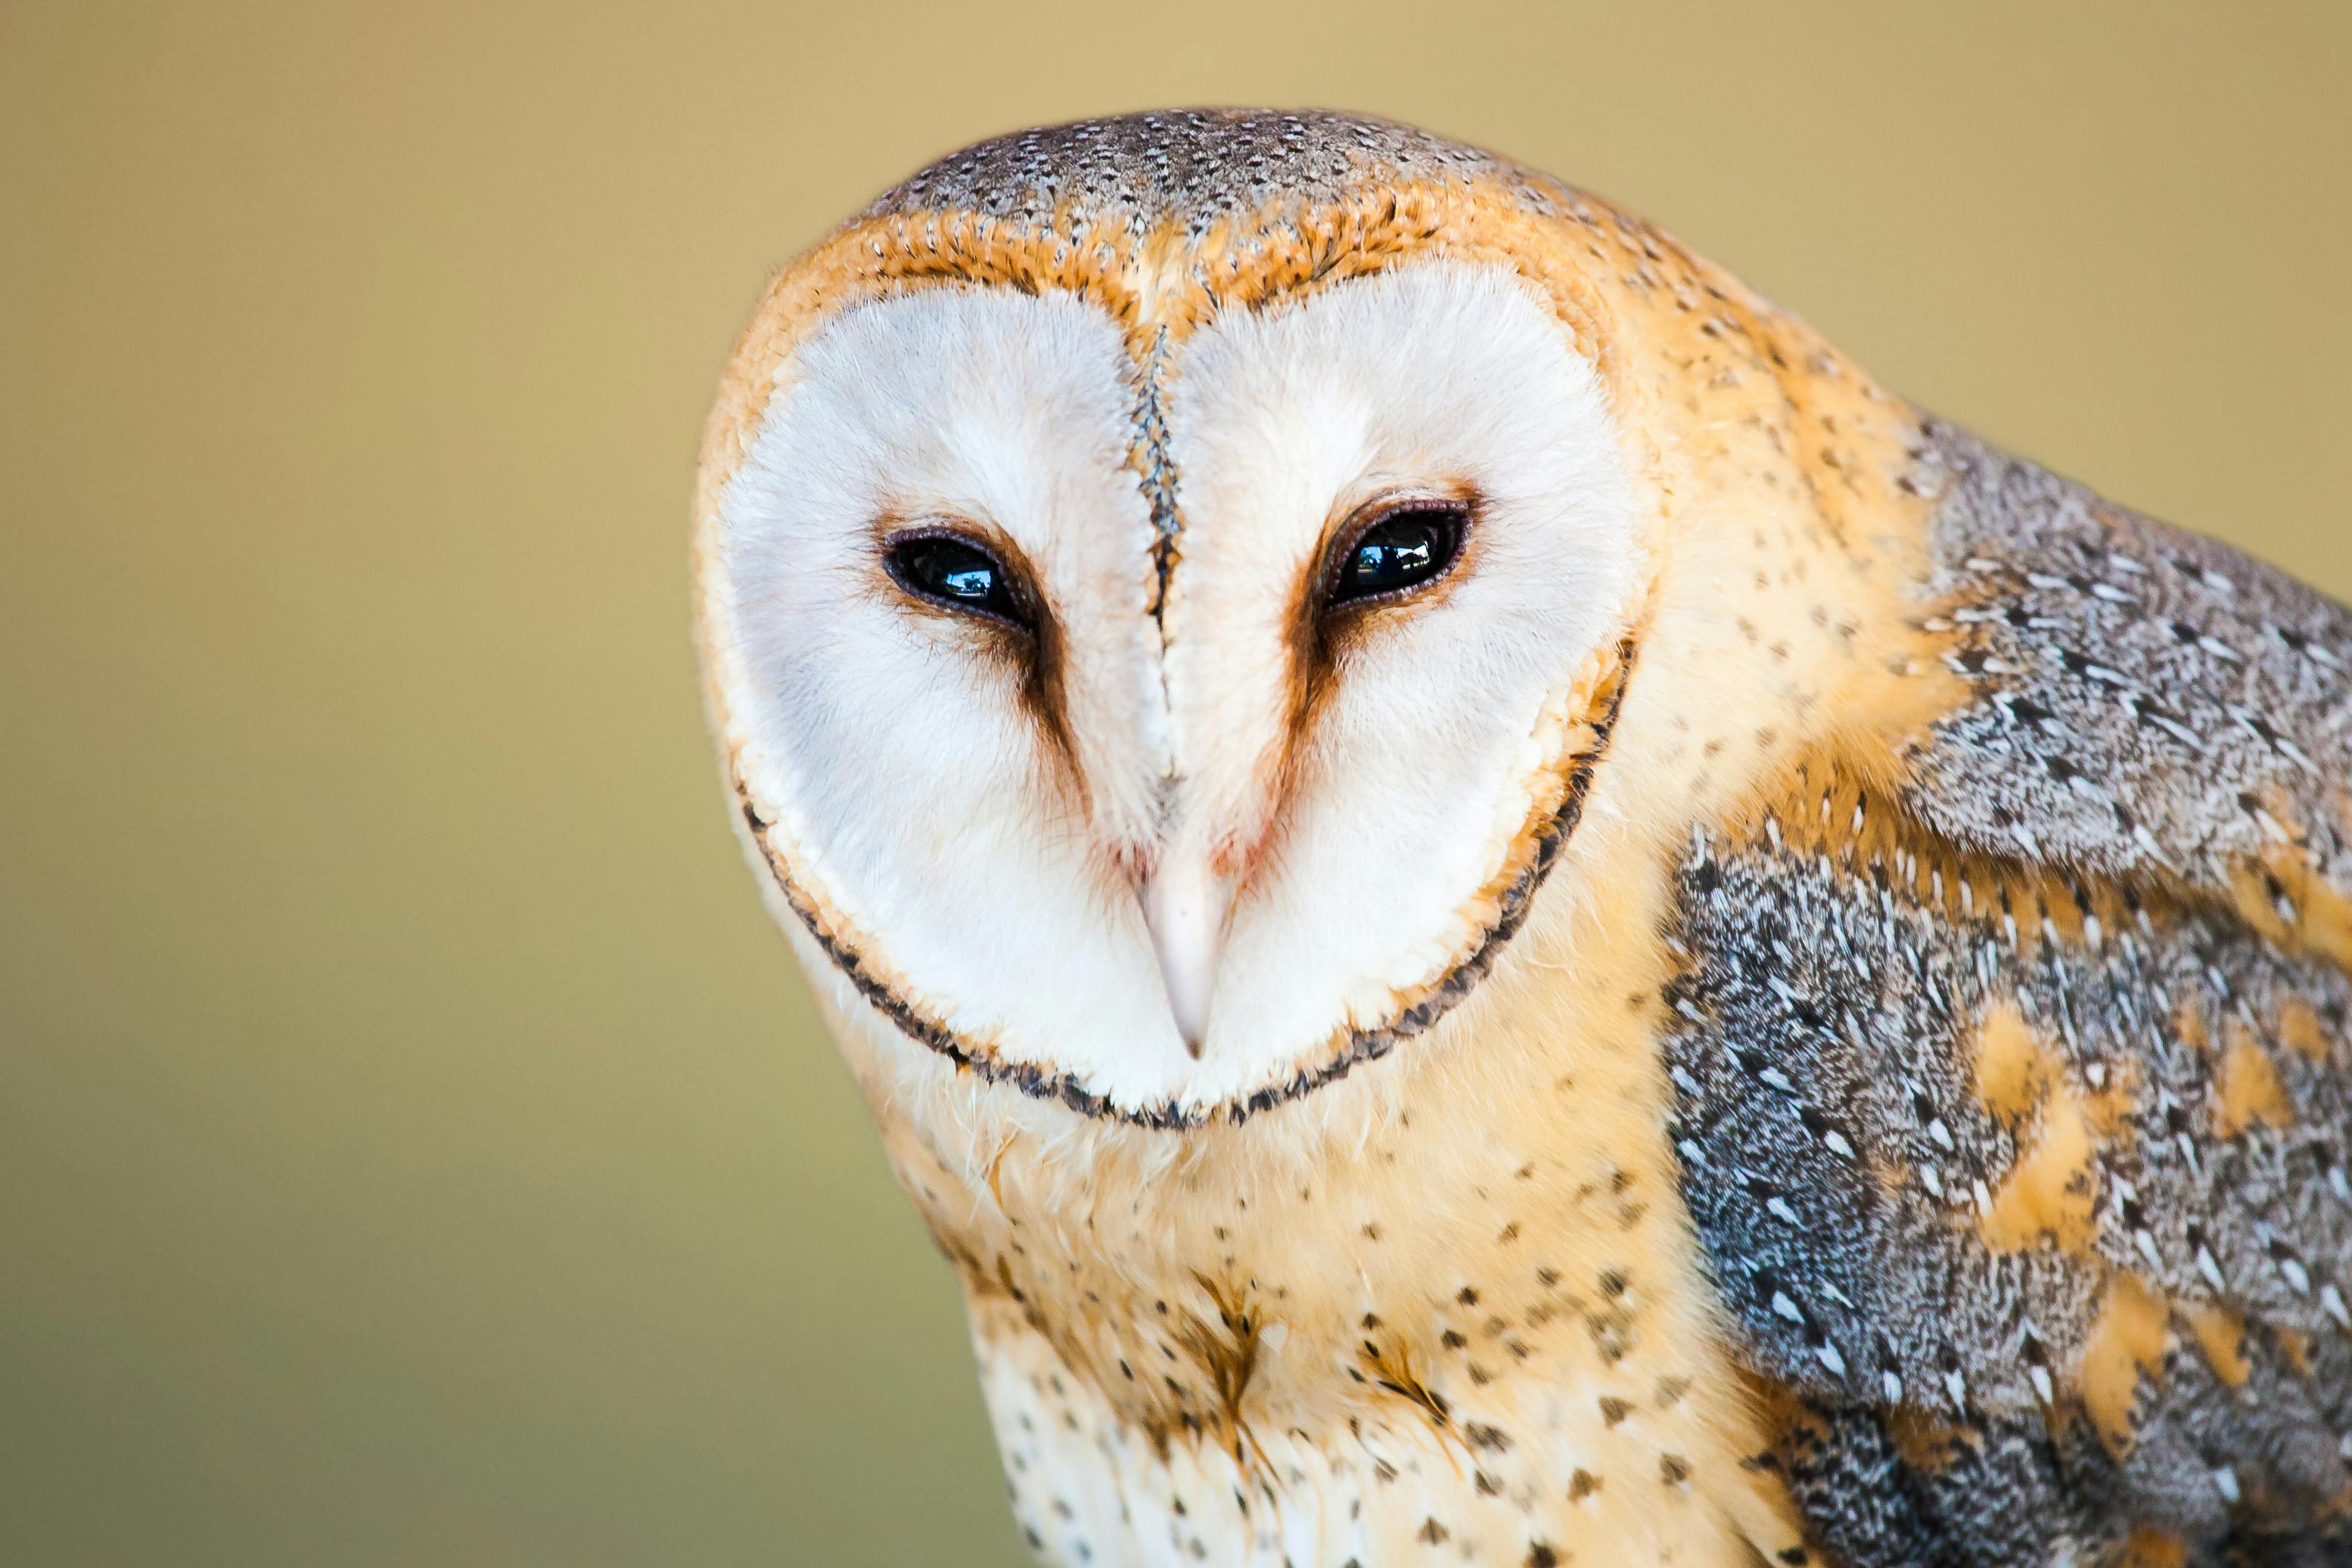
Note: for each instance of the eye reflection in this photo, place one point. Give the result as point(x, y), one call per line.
point(1399, 553)
point(957, 573)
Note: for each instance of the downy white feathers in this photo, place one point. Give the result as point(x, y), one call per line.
point(984, 836)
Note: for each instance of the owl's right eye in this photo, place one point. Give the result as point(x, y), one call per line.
point(957, 573)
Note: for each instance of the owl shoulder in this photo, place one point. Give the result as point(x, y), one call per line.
point(2145, 701)
point(2013, 1101)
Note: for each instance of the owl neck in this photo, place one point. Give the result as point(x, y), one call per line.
point(1455, 1286)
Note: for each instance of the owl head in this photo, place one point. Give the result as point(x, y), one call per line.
point(1168, 584)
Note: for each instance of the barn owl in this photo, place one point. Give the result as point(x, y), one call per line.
point(1498, 913)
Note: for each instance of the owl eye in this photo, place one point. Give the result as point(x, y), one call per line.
point(1399, 550)
point(957, 573)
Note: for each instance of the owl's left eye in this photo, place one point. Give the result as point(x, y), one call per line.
point(957, 573)
point(1400, 549)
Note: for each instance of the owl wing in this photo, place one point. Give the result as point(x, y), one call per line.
point(2013, 1107)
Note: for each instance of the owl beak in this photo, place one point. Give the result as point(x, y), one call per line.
point(1185, 905)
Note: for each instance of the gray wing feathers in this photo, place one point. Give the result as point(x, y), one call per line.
point(2146, 697)
point(2150, 711)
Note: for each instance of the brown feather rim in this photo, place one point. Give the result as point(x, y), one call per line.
point(1360, 1046)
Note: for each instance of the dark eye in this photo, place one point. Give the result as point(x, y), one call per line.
point(1398, 553)
point(957, 573)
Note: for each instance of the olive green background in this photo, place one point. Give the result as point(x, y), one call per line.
point(413, 1146)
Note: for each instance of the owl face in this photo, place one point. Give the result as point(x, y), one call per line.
point(1155, 718)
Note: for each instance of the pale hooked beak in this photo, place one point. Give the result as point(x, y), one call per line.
point(1185, 906)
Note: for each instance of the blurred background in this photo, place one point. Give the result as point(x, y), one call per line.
point(414, 1147)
